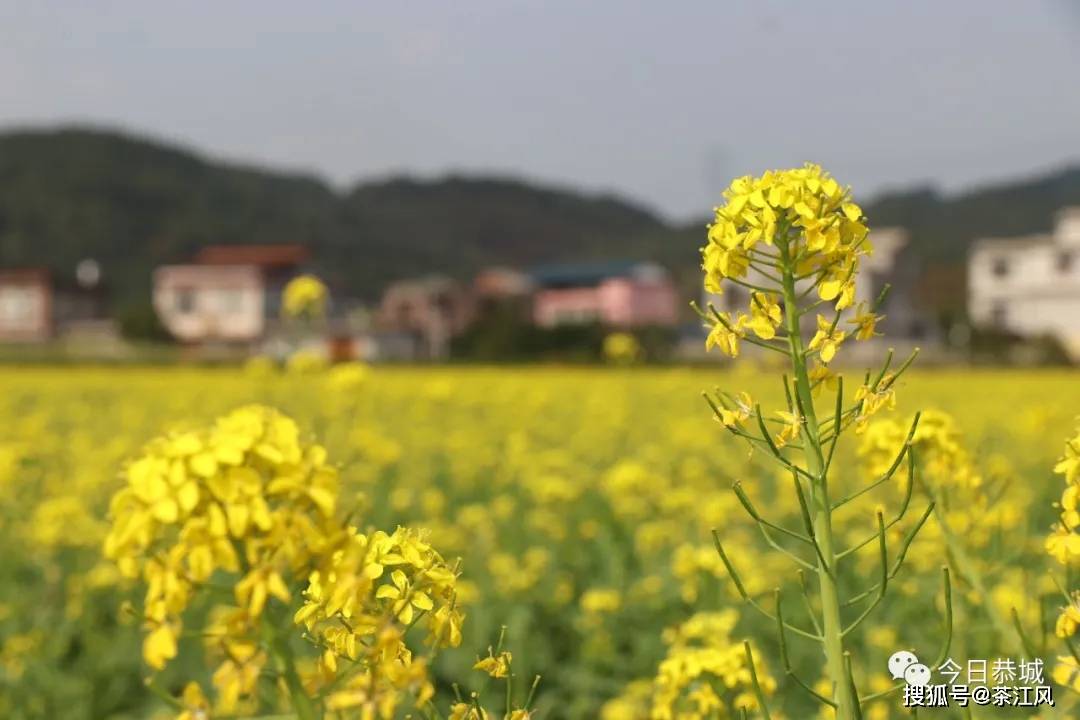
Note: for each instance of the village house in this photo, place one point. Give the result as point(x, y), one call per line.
point(1029, 286)
point(615, 294)
point(430, 310)
point(25, 305)
point(228, 293)
point(37, 304)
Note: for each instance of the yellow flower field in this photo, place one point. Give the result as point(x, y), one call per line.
point(580, 503)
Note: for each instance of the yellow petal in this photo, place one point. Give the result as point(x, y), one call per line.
point(277, 587)
point(238, 518)
point(204, 464)
point(159, 647)
point(387, 591)
point(188, 495)
point(166, 510)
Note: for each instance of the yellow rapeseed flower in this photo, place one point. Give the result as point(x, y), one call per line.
point(497, 666)
point(827, 339)
point(792, 426)
point(304, 295)
point(621, 348)
point(765, 315)
point(194, 703)
point(726, 334)
point(865, 322)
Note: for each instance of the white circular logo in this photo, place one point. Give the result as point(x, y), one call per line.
point(917, 675)
point(899, 662)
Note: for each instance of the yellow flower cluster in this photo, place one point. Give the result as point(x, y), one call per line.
point(1066, 673)
point(496, 666)
point(943, 459)
point(787, 227)
point(306, 361)
point(244, 496)
point(1064, 541)
point(1064, 545)
point(704, 675)
point(193, 704)
point(805, 203)
point(974, 503)
point(557, 478)
point(622, 348)
point(359, 604)
point(304, 296)
point(469, 711)
point(385, 671)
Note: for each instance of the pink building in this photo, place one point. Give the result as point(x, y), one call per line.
point(613, 294)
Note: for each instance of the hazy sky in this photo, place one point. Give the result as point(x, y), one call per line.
point(660, 101)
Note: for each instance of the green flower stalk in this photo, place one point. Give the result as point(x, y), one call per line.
point(791, 242)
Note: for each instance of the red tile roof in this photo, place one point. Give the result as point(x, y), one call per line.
point(25, 274)
point(262, 255)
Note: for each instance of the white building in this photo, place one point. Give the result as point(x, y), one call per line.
point(230, 293)
point(1029, 286)
point(199, 303)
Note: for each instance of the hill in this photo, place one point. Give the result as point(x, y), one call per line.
point(943, 226)
point(134, 203)
point(131, 204)
point(460, 224)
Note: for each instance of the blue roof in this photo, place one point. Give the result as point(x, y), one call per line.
point(579, 274)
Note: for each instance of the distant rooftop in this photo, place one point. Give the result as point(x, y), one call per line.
point(25, 274)
point(262, 255)
point(579, 274)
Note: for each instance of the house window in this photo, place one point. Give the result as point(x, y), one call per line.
point(999, 314)
point(1064, 261)
point(185, 300)
point(1001, 267)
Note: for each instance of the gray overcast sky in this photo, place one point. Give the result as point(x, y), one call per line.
point(660, 101)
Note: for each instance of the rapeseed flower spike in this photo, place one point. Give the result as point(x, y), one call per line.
point(781, 237)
